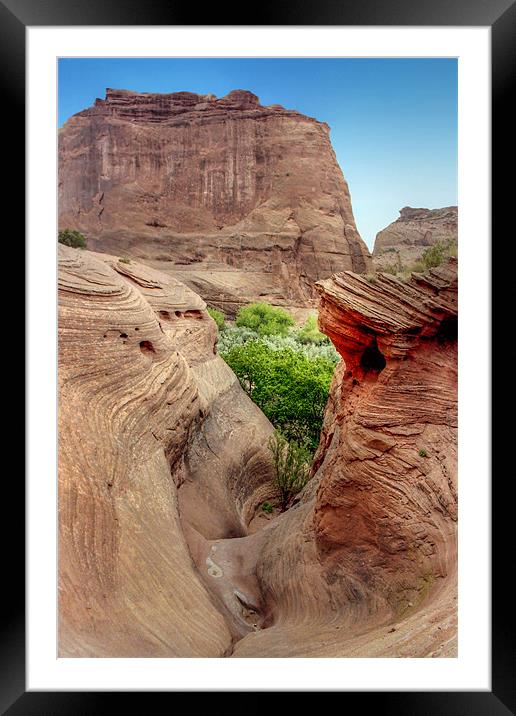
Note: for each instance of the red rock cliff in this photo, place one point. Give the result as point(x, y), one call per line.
point(211, 188)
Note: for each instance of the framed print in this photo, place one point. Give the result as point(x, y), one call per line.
point(263, 462)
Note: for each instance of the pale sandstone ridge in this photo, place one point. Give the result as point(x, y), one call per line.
point(404, 241)
point(164, 464)
point(151, 422)
point(240, 201)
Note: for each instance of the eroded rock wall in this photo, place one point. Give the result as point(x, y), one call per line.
point(240, 201)
point(163, 462)
point(365, 564)
point(145, 407)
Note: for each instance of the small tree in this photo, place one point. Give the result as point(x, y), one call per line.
point(292, 466)
point(218, 317)
point(266, 320)
point(73, 238)
point(290, 388)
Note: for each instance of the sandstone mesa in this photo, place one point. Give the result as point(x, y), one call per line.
point(237, 200)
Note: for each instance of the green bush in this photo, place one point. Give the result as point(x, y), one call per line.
point(70, 237)
point(438, 253)
point(290, 388)
point(267, 507)
point(234, 336)
point(218, 317)
point(431, 257)
point(292, 467)
point(310, 333)
point(390, 268)
point(266, 320)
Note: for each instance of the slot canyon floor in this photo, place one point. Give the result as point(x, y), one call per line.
point(164, 466)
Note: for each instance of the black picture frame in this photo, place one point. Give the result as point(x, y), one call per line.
point(500, 15)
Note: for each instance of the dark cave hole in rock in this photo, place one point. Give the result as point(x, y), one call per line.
point(123, 335)
point(193, 314)
point(165, 315)
point(146, 347)
point(372, 358)
point(447, 330)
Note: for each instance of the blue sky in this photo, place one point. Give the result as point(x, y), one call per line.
point(393, 121)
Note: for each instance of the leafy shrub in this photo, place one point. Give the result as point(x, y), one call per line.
point(423, 453)
point(73, 238)
point(292, 467)
point(125, 260)
point(235, 336)
point(266, 320)
point(390, 268)
point(290, 388)
point(431, 257)
point(438, 253)
point(218, 317)
point(267, 507)
point(310, 333)
point(309, 350)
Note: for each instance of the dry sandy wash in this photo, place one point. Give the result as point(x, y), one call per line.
point(163, 466)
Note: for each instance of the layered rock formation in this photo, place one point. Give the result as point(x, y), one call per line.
point(403, 242)
point(152, 423)
point(164, 462)
point(366, 564)
point(238, 200)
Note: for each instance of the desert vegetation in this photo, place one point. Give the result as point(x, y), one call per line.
point(264, 319)
point(432, 257)
point(286, 370)
point(73, 238)
point(218, 317)
point(292, 466)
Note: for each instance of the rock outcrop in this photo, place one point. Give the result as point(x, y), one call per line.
point(366, 564)
point(152, 425)
point(238, 200)
point(163, 464)
point(403, 242)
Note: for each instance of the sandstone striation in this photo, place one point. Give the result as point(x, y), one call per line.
point(403, 242)
point(239, 201)
point(163, 464)
point(150, 420)
point(365, 565)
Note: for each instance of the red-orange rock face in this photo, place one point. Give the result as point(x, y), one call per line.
point(210, 189)
point(365, 564)
point(388, 455)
